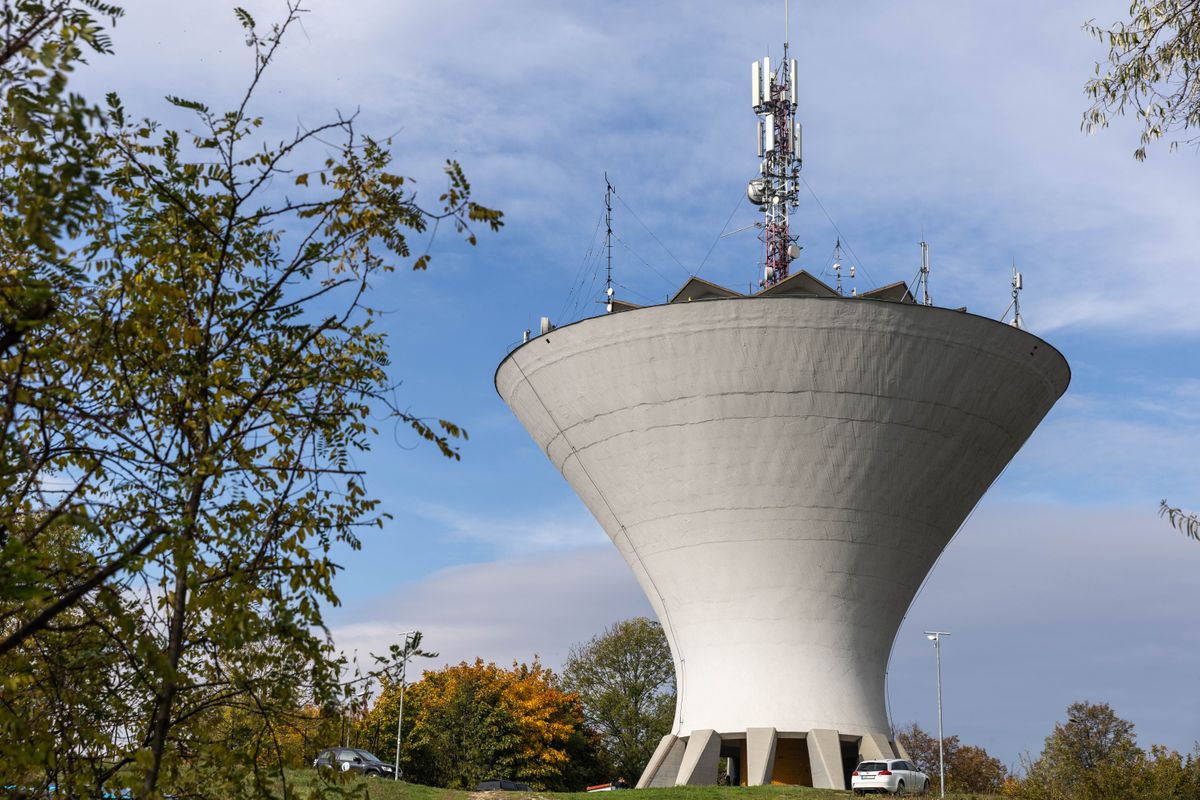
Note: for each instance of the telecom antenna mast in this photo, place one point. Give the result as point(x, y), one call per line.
point(924, 282)
point(776, 190)
point(837, 267)
point(608, 284)
point(1015, 303)
point(1017, 285)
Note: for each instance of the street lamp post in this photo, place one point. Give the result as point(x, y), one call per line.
point(936, 638)
point(400, 718)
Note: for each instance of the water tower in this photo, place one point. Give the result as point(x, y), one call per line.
point(780, 471)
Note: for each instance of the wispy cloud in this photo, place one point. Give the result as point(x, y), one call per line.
point(1130, 446)
point(509, 536)
point(917, 117)
point(500, 611)
point(1047, 604)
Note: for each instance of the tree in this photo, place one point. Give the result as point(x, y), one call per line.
point(968, 768)
point(1153, 69)
point(1169, 776)
point(625, 679)
point(47, 182)
point(973, 770)
point(472, 722)
point(47, 174)
point(923, 750)
point(1092, 756)
point(180, 425)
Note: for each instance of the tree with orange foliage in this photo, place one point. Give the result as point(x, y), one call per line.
point(473, 722)
point(968, 768)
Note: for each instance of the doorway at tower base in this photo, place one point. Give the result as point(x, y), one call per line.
point(822, 759)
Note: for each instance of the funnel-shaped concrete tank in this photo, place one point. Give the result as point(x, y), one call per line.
point(781, 474)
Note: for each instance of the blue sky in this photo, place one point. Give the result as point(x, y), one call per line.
point(958, 122)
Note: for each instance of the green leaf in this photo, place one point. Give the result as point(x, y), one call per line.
point(244, 17)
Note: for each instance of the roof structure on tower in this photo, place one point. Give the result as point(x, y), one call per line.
point(700, 289)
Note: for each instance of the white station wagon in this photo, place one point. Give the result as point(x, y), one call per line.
point(891, 776)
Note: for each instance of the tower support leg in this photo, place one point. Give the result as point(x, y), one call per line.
point(664, 764)
point(700, 759)
point(760, 756)
point(825, 758)
point(876, 746)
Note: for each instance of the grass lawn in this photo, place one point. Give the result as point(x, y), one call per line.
point(382, 789)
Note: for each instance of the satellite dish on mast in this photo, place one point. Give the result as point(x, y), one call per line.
point(755, 192)
point(793, 251)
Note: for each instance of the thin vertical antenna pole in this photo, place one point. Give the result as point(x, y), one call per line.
point(837, 263)
point(608, 191)
point(925, 274)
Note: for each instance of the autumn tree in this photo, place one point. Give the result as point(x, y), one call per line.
point(1152, 70)
point(1093, 755)
point(968, 768)
point(625, 679)
point(47, 171)
point(181, 419)
point(1169, 776)
point(48, 179)
point(474, 722)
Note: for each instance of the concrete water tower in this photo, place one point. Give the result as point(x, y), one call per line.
point(780, 471)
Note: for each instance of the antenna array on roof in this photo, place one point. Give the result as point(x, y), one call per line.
point(837, 269)
point(608, 282)
point(776, 190)
point(1015, 303)
point(923, 283)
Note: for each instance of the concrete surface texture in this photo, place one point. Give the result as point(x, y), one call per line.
point(780, 473)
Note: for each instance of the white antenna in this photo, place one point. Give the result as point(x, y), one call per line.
point(924, 281)
point(787, 31)
point(1016, 297)
point(1015, 303)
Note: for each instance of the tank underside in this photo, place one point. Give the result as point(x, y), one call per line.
point(781, 473)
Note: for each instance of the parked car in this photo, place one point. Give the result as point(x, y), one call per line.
point(891, 776)
point(350, 759)
point(502, 786)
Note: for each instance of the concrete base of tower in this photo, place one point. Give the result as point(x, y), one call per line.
point(760, 756)
point(822, 759)
point(664, 764)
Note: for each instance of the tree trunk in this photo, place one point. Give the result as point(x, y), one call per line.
point(170, 685)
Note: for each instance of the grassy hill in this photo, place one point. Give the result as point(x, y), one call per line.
point(380, 789)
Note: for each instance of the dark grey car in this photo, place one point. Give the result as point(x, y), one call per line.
point(350, 759)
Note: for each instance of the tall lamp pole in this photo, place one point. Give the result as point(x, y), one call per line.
point(403, 681)
point(936, 638)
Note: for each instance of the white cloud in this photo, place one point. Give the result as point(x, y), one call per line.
point(1047, 604)
point(1132, 444)
point(917, 116)
point(500, 611)
point(540, 533)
